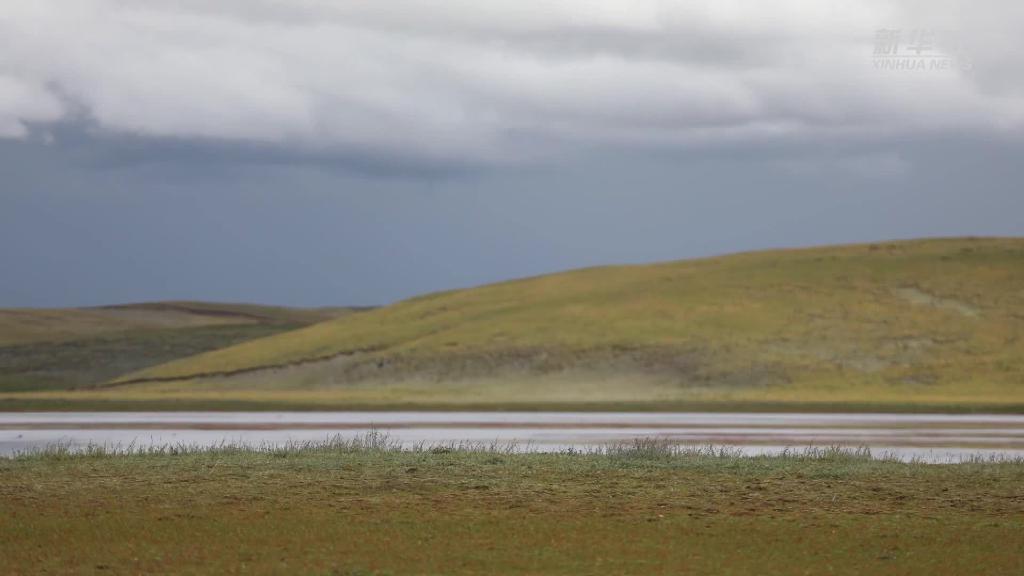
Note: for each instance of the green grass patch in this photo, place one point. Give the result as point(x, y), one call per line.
point(66, 364)
point(61, 349)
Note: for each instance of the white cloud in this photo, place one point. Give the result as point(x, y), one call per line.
point(497, 79)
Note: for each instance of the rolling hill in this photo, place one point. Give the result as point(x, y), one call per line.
point(25, 325)
point(928, 322)
point(67, 348)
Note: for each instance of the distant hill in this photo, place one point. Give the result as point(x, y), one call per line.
point(66, 348)
point(923, 321)
point(24, 325)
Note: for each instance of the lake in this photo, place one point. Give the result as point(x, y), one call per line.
point(929, 437)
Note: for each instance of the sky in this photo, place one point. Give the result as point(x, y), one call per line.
point(314, 152)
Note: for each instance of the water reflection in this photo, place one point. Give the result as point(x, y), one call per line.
point(930, 437)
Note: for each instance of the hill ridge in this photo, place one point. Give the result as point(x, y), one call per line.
point(931, 318)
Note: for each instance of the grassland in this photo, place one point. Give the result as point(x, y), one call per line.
point(75, 363)
point(27, 325)
point(61, 349)
point(931, 324)
point(367, 508)
point(934, 322)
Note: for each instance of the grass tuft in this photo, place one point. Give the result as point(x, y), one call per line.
point(374, 442)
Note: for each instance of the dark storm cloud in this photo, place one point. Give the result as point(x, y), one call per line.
point(330, 152)
point(75, 233)
point(103, 151)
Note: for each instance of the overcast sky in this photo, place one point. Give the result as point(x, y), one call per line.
point(347, 152)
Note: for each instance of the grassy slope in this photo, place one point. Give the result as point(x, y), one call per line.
point(370, 511)
point(84, 362)
point(27, 325)
point(47, 349)
point(933, 321)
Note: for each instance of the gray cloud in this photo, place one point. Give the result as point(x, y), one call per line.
point(350, 152)
point(492, 82)
point(79, 227)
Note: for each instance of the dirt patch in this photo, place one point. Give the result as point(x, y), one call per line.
point(919, 297)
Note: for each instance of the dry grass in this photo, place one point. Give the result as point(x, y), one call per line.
point(552, 392)
point(368, 508)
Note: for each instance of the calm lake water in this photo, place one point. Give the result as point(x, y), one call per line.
point(930, 437)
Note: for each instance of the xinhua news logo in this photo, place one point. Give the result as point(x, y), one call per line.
point(920, 49)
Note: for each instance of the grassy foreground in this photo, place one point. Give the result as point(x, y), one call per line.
point(367, 508)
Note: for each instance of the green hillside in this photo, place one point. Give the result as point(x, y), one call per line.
point(53, 349)
point(25, 325)
point(934, 322)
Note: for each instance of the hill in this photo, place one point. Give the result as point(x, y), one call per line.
point(73, 347)
point(25, 325)
point(925, 322)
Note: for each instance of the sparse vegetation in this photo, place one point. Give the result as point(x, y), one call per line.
point(367, 507)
